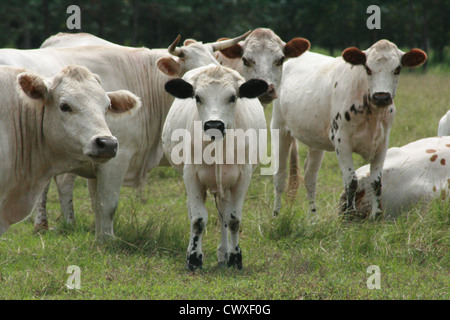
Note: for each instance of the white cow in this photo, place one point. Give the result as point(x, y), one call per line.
point(135, 69)
point(262, 56)
point(444, 125)
point(67, 40)
point(216, 98)
point(50, 126)
point(343, 104)
point(413, 174)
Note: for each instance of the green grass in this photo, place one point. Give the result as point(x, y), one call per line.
point(287, 257)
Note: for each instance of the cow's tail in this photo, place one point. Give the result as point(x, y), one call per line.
point(294, 170)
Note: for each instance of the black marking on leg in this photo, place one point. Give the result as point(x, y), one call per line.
point(194, 261)
point(347, 116)
point(376, 186)
point(234, 225)
point(235, 259)
point(198, 226)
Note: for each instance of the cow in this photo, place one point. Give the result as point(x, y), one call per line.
point(444, 125)
point(262, 56)
point(343, 104)
point(413, 175)
point(219, 100)
point(137, 70)
point(67, 40)
point(49, 126)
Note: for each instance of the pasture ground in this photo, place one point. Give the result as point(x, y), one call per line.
point(286, 257)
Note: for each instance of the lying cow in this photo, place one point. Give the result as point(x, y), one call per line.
point(51, 126)
point(444, 125)
point(217, 98)
point(413, 175)
point(344, 104)
point(137, 70)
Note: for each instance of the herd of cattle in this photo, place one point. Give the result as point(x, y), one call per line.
point(83, 106)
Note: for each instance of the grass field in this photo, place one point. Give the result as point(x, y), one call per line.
point(287, 257)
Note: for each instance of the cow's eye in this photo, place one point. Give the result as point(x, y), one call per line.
point(369, 72)
point(197, 98)
point(233, 99)
point(280, 62)
point(397, 70)
point(65, 107)
point(246, 62)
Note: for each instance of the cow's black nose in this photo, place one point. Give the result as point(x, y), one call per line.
point(213, 128)
point(382, 99)
point(105, 147)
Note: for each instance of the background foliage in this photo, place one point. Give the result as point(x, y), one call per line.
point(333, 25)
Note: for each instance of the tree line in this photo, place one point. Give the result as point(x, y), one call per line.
point(329, 24)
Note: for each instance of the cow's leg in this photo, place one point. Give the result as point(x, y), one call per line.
point(104, 192)
point(198, 217)
point(345, 160)
point(65, 184)
point(233, 216)
point(312, 166)
point(40, 218)
point(284, 142)
point(375, 179)
point(223, 208)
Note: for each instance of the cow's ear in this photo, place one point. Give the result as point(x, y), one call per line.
point(354, 56)
point(169, 66)
point(296, 47)
point(123, 101)
point(253, 88)
point(179, 88)
point(188, 42)
point(33, 85)
point(414, 58)
point(233, 52)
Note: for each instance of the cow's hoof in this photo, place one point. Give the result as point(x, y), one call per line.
point(235, 260)
point(194, 261)
point(376, 216)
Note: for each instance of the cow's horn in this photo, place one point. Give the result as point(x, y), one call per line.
point(174, 50)
point(220, 45)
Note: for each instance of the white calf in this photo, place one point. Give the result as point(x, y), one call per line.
point(215, 99)
point(341, 104)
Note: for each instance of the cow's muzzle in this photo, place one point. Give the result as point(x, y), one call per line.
point(269, 96)
point(103, 148)
point(382, 99)
point(214, 128)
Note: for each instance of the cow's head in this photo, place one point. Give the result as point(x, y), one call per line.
point(262, 55)
point(216, 91)
point(383, 62)
point(75, 106)
point(192, 55)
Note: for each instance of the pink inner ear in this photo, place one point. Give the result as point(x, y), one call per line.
point(354, 56)
point(169, 66)
point(414, 58)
